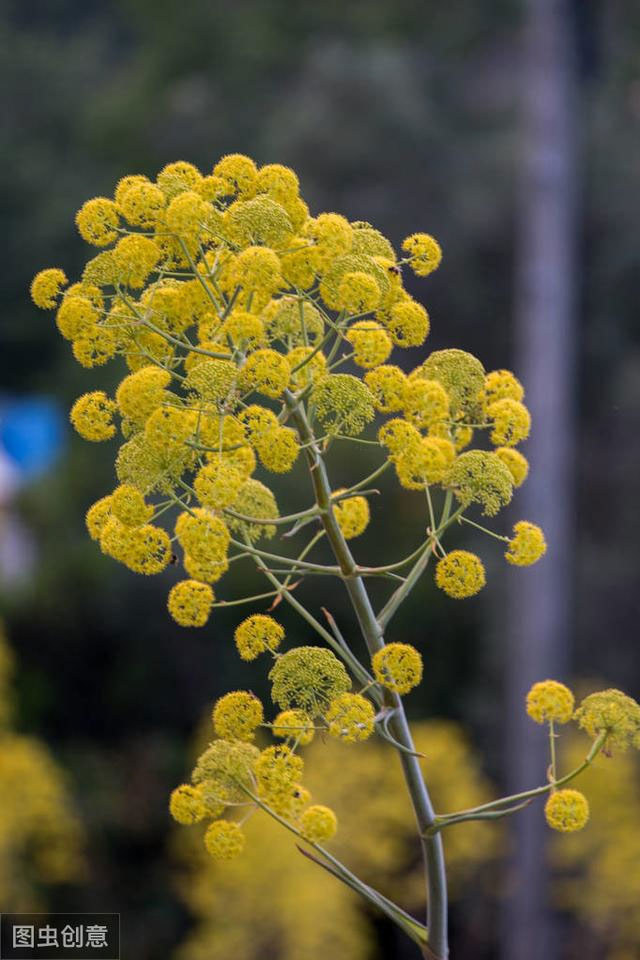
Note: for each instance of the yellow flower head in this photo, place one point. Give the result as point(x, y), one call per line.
point(352, 515)
point(190, 603)
point(318, 823)
point(294, 725)
point(278, 181)
point(135, 257)
point(387, 384)
point(76, 316)
point(266, 371)
point(423, 463)
point(207, 571)
point(224, 770)
point(203, 536)
point(566, 810)
point(371, 343)
point(398, 666)
point(141, 203)
point(277, 770)
point(128, 505)
point(350, 717)
point(408, 323)
point(516, 464)
point(550, 700)
point(178, 177)
point(460, 574)
point(224, 840)
point(527, 545)
point(142, 392)
point(257, 271)
point(97, 221)
point(46, 287)
point(358, 292)
point(331, 235)
point(97, 515)
point(237, 715)
point(613, 712)
point(218, 484)
point(307, 678)
point(502, 385)
point(92, 416)
point(257, 634)
point(425, 402)
point(238, 173)
point(278, 449)
point(511, 422)
point(397, 435)
point(186, 806)
point(424, 253)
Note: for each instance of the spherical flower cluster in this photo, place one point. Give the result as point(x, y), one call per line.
point(186, 806)
point(502, 385)
point(318, 823)
point(387, 384)
point(307, 678)
point(398, 666)
point(343, 404)
point(224, 840)
point(370, 342)
point(352, 515)
point(350, 717)
point(511, 422)
point(527, 545)
point(566, 810)
point(46, 287)
point(277, 770)
point(424, 253)
point(515, 462)
point(460, 574)
point(614, 713)
point(294, 725)
point(190, 603)
point(237, 715)
point(128, 506)
point(257, 634)
point(408, 323)
point(92, 416)
point(550, 700)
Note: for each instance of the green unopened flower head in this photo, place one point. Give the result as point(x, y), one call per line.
point(462, 376)
point(343, 403)
point(227, 767)
point(308, 678)
point(480, 477)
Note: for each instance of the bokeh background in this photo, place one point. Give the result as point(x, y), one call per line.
point(511, 131)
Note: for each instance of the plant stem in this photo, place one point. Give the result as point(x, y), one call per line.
point(398, 726)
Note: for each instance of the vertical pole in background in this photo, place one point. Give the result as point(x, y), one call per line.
point(539, 604)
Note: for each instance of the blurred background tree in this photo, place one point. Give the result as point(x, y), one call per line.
point(411, 117)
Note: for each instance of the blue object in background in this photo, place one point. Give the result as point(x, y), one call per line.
point(32, 433)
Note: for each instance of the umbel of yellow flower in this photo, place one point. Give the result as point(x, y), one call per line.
point(550, 700)
point(398, 666)
point(224, 840)
point(318, 823)
point(527, 545)
point(308, 678)
point(236, 716)
point(256, 634)
point(566, 810)
point(460, 574)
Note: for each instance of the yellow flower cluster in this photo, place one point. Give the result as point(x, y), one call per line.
point(566, 810)
point(550, 700)
point(398, 666)
point(460, 574)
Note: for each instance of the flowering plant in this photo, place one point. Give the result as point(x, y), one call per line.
point(257, 338)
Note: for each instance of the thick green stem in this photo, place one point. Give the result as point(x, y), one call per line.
point(398, 726)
